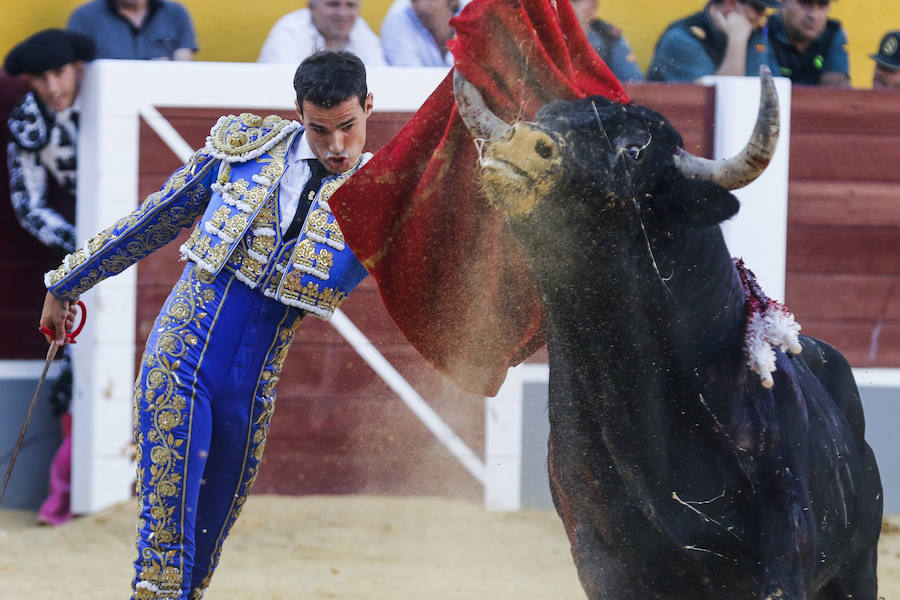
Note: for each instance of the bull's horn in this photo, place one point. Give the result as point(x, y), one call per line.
point(479, 119)
point(738, 171)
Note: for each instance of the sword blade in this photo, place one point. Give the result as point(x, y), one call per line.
point(51, 354)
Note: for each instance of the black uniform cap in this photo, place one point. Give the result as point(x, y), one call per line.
point(48, 49)
point(765, 3)
point(889, 51)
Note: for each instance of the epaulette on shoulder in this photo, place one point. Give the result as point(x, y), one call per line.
point(246, 136)
point(698, 32)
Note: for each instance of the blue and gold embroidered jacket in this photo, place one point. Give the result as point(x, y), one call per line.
point(234, 182)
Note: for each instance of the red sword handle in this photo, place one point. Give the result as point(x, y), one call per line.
point(70, 337)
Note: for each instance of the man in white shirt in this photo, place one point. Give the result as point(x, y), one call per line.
point(325, 25)
point(414, 33)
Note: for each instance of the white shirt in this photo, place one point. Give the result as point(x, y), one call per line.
point(296, 174)
point(406, 42)
point(294, 37)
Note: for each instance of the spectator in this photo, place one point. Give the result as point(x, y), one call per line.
point(608, 41)
point(725, 38)
point(414, 33)
point(325, 25)
point(43, 133)
point(43, 130)
point(137, 29)
point(887, 63)
point(809, 47)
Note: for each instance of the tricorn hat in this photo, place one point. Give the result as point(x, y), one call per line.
point(889, 51)
point(48, 49)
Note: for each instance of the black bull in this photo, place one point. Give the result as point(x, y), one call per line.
point(677, 473)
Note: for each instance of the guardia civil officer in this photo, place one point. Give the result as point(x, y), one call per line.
point(726, 38)
point(887, 62)
point(809, 47)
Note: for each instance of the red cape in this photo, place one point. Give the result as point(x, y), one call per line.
point(450, 273)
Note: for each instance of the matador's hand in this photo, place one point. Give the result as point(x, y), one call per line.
point(57, 316)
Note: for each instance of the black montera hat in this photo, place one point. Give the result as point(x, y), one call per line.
point(48, 49)
point(889, 51)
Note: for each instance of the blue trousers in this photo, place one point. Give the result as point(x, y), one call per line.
point(203, 401)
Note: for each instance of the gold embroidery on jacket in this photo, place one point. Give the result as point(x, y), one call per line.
point(218, 217)
point(235, 226)
point(263, 244)
point(232, 227)
point(246, 133)
point(315, 263)
point(317, 223)
point(159, 227)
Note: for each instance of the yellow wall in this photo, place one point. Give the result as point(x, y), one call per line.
point(232, 30)
point(227, 30)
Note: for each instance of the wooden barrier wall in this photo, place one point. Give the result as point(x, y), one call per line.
point(339, 428)
point(844, 221)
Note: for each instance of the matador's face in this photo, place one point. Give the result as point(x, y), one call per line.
point(336, 134)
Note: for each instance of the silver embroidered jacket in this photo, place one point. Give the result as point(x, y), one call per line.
point(40, 143)
point(234, 182)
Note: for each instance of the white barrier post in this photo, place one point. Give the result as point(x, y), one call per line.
point(758, 233)
point(503, 445)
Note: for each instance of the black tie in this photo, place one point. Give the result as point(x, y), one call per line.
point(318, 173)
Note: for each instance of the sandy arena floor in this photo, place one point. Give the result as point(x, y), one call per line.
point(318, 548)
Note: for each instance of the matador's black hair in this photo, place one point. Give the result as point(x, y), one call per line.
point(329, 78)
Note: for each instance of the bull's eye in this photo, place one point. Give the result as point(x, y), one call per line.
point(634, 151)
point(543, 149)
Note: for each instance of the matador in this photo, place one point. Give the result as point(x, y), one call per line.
point(266, 252)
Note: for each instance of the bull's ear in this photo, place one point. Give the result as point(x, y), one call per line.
point(703, 203)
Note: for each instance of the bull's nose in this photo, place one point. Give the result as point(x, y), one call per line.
point(532, 149)
point(527, 138)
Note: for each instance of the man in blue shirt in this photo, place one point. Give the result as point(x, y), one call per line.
point(608, 41)
point(809, 47)
point(136, 29)
point(726, 38)
point(414, 33)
